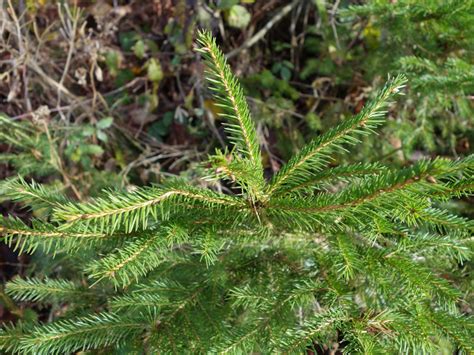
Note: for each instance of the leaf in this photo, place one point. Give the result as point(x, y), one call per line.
point(105, 123)
point(87, 131)
point(285, 73)
point(238, 16)
point(113, 61)
point(139, 49)
point(154, 71)
point(102, 136)
point(92, 149)
point(128, 39)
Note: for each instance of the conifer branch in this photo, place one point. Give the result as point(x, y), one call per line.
point(11, 336)
point(32, 194)
point(422, 281)
point(459, 328)
point(168, 297)
point(432, 218)
point(268, 310)
point(431, 245)
point(137, 257)
point(133, 211)
point(343, 173)
point(312, 157)
point(233, 168)
point(371, 188)
point(351, 260)
point(230, 97)
point(457, 189)
point(85, 333)
point(34, 290)
point(298, 338)
point(27, 239)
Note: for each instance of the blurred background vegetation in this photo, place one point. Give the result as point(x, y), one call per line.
point(97, 94)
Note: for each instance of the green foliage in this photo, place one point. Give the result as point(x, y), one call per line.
point(316, 154)
point(36, 290)
point(230, 97)
point(32, 147)
point(431, 42)
point(363, 255)
point(46, 148)
point(81, 334)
